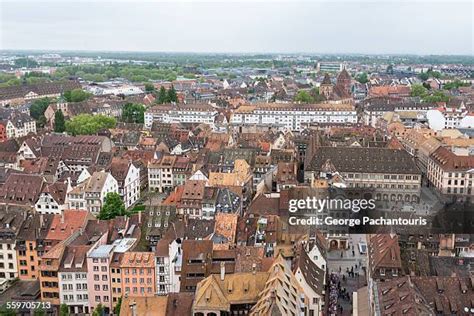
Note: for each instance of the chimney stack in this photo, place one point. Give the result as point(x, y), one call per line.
point(254, 268)
point(139, 217)
point(222, 271)
point(62, 217)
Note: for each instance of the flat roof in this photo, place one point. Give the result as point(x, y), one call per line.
point(103, 251)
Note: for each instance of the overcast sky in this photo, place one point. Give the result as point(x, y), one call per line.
point(421, 27)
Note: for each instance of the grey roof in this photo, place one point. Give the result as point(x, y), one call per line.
point(364, 160)
point(103, 251)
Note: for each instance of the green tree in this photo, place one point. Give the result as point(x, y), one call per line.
point(41, 122)
point(424, 76)
point(25, 62)
point(172, 96)
point(316, 96)
point(113, 207)
point(39, 312)
point(435, 74)
point(118, 306)
point(162, 96)
point(4, 311)
point(362, 78)
point(417, 90)
point(133, 113)
point(59, 122)
point(87, 124)
point(76, 95)
point(149, 87)
point(98, 310)
point(64, 310)
point(303, 97)
point(38, 107)
point(455, 84)
point(437, 96)
point(389, 69)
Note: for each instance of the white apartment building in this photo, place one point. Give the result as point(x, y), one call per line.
point(90, 194)
point(168, 266)
point(451, 174)
point(446, 117)
point(52, 199)
point(182, 113)
point(47, 204)
point(127, 175)
point(8, 261)
point(160, 174)
point(73, 289)
point(10, 224)
point(19, 127)
point(293, 116)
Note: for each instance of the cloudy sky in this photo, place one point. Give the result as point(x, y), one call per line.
point(311, 26)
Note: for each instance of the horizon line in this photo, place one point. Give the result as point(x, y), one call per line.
point(230, 52)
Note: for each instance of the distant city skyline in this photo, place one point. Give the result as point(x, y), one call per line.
point(312, 27)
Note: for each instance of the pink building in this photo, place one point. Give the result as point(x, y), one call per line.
point(98, 277)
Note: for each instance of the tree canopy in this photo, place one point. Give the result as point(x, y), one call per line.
point(455, 84)
point(98, 310)
point(64, 310)
point(59, 123)
point(167, 96)
point(311, 96)
point(429, 74)
point(362, 77)
point(172, 96)
point(118, 306)
point(437, 96)
point(303, 96)
point(25, 62)
point(113, 207)
point(87, 124)
point(38, 107)
point(133, 113)
point(149, 87)
point(418, 90)
point(76, 95)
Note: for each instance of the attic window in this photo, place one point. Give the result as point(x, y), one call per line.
point(388, 306)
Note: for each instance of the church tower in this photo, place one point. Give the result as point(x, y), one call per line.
point(326, 88)
point(344, 81)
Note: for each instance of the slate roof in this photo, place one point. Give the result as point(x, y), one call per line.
point(20, 91)
point(313, 275)
point(21, 189)
point(364, 160)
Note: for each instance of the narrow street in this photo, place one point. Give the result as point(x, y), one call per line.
point(350, 268)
